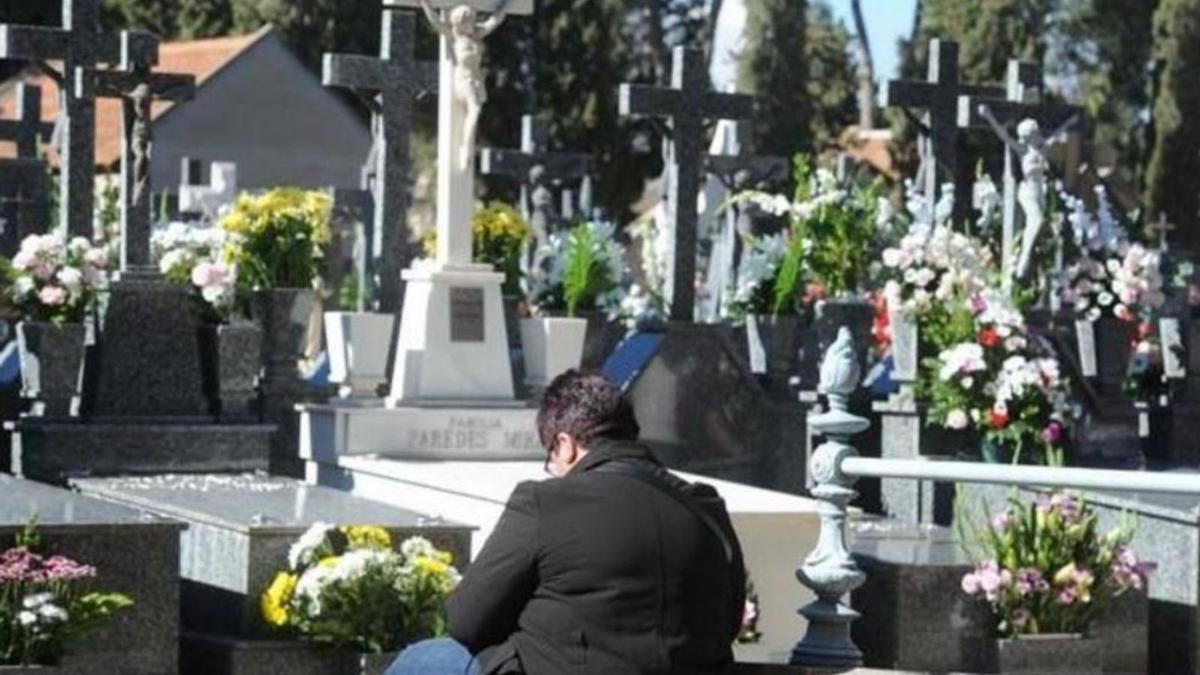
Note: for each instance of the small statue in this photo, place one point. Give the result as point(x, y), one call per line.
point(466, 51)
point(541, 204)
point(840, 370)
point(139, 138)
point(1031, 146)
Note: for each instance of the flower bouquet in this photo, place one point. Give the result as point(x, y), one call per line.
point(581, 269)
point(992, 382)
point(277, 239)
point(1045, 568)
point(55, 281)
point(194, 257)
point(348, 588)
point(498, 237)
point(45, 604)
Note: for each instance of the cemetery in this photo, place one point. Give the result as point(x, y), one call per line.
point(285, 285)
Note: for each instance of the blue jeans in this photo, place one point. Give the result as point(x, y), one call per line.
point(442, 656)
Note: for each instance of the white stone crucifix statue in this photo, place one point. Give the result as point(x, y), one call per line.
point(453, 343)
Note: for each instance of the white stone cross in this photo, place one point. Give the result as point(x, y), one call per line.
point(1162, 228)
point(460, 91)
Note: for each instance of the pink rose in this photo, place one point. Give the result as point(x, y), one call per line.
point(97, 257)
point(209, 274)
point(53, 296)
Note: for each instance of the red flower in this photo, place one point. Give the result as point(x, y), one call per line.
point(989, 338)
point(1145, 330)
point(997, 420)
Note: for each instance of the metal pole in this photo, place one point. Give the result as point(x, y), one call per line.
point(1036, 476)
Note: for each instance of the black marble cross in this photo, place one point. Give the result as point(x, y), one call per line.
point(78, 44)
point(389, 83)
point(534, 151)
point(24, 202)
point(689, 102)
point(138, 88)
point(938, 96)
point(27, 128)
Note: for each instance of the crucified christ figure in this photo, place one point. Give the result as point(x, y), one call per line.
point(466, 36)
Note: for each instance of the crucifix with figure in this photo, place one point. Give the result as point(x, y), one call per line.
point(78, 44)
point(138, 88)
point(689, 102)
point(1022, 107)
point(389, 85)
point(453, 343)
point(938, 96)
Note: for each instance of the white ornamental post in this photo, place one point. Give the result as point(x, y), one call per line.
point(830, 570)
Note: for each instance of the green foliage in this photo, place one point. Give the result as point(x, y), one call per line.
point(1174, 164)
point(584, 276)
point(789, 282)
point(277, 239)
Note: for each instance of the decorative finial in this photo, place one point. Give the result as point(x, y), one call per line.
point(839, 369)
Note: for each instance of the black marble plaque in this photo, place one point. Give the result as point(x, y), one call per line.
point(466, 314)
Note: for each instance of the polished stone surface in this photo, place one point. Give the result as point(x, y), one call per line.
point(204, 654)
point(133, 553)
point(241, 527)
point(52, 450)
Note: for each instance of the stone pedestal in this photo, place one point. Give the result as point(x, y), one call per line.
point(904, 435)
point(133, 553)
point(453, 344)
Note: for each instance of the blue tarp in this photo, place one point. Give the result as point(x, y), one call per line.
point(631, 356)
point(10, 365)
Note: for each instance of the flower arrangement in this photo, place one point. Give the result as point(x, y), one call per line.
point(992, 381)
point(1112, 276)
point(193, 257)
point(498, 237)
point(1045, 567)
point(845, 222)
point(45, 604)
point(347, 587)
point(1146, 378)
point(277, 239)
point(581, 268)
point(53, 280)
point(935, 272)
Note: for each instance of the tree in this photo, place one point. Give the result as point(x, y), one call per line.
point(776, 69)
point(832, 84)
point(1171, 186)
point(866, 69)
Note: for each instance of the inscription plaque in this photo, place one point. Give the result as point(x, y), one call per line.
point(466, 314)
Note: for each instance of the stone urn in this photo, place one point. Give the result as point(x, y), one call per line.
point(552, 346)
point(1061, 654)
point(51, 358)
point(283, 314)
point(230, 365)
point(358, 344)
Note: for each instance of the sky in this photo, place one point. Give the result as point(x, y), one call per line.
point(887, 21)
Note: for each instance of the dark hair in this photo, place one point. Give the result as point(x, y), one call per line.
point(587, 406)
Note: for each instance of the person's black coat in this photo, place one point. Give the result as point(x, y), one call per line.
point(600, 572)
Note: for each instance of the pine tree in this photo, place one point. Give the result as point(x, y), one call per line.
point(1171, 184)
point(775, 67)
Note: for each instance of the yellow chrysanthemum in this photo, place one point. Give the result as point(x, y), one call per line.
point(431, 566)
point(276, 598)
point(329, 561)
point(368, 536)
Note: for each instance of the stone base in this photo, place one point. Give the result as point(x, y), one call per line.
point(453, 343)
point(202, 654)
point(420, 432)
point(53, 450)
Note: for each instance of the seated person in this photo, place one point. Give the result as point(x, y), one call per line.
point(616, 566)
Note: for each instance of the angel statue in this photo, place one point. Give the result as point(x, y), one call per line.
point(466, 52)
point(1031, 147)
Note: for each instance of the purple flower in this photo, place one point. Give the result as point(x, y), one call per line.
point(992, 579)
point(1067, 596)
point(1052, 433)
point(1000, 522)
point(1130, 571)
point(1030, 580)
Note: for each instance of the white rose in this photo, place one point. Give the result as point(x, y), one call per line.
point(1105, 299)
point(957, 419)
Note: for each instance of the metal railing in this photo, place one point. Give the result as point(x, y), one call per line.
point(831, 572)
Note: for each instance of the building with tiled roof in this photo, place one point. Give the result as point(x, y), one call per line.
point(255, 105)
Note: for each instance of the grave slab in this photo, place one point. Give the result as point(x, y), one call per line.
point(52, 450)
point(916, 617)
point(133, 552)
point(775, 529)
point(240, 530)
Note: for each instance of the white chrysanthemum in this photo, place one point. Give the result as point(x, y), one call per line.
point(301, 552)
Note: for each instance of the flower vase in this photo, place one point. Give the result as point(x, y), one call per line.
point(1113, 341)
point(774, 345)
point(230, 362)
point(51, 358)
point(1061, 654)
point(995, 452)
point(552, 346)
point(358, 344)
point(284, 315)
